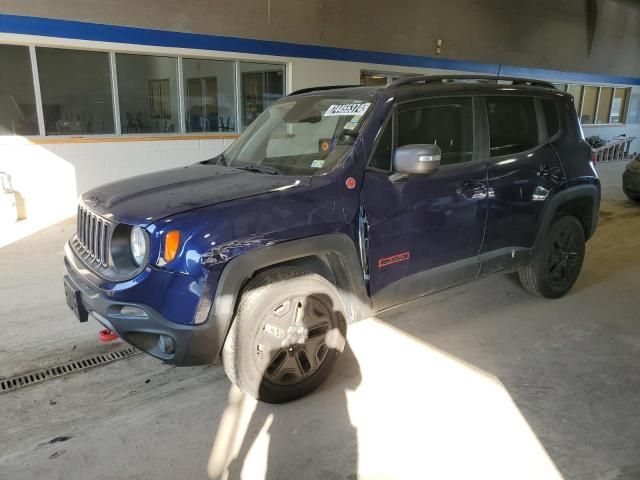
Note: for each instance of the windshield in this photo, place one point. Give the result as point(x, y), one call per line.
point(299, 136)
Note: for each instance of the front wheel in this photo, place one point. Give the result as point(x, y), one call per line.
point(557, 262)
point(288, 331)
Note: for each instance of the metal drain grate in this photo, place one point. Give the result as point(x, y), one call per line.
point(28, 379)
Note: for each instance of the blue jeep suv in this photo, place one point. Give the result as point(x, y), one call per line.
point(336, 203)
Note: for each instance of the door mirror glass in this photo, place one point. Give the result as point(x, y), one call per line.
point(417, 158)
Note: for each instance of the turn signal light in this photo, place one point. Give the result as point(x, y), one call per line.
point(171, 244)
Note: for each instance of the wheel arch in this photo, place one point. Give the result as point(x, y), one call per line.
point(332, 256)
point(581, 201)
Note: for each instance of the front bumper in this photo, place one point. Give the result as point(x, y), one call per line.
point(178, 344)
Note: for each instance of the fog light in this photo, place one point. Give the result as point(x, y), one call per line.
point(130, 311)
point(166, 344)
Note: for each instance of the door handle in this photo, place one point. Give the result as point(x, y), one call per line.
point(471, 190)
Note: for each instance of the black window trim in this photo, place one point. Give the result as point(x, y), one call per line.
point(391, 117)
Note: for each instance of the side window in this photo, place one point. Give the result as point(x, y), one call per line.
point(512, 125)
point(550, 116)
point(381, 158)
point(446, 122)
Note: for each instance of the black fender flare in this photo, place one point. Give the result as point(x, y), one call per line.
point(557, 201)
point(339, 253)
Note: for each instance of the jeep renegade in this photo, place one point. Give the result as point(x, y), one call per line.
point(336, 203)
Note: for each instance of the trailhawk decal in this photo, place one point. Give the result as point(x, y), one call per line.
point(397, 258)
point(346, 109)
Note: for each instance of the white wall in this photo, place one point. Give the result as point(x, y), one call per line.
point(50, 177)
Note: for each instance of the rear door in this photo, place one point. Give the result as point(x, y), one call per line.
point(524, 170)
point(425, 231)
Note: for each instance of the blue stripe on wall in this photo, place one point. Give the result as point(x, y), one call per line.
point(142, 36)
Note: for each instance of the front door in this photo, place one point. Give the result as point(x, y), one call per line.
point(425, 231)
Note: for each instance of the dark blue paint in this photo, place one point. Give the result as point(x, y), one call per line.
point(423, 215)
point(169, 192)
point(518, 193)
point(143, 36)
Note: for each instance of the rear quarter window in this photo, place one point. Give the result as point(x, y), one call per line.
point(550, 116)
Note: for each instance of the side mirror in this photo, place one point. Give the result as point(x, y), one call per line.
point(418, 158)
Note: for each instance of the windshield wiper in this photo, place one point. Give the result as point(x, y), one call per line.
point(254, 167)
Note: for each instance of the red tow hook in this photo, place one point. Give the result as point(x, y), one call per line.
point(107, 335)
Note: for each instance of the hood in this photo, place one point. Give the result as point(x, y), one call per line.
point(144, 199)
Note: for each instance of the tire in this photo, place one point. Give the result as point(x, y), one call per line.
point(633, 198)
point(556, 264)
point(286, 336)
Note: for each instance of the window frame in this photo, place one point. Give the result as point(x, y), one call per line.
point(181, 130)
point(389, 119)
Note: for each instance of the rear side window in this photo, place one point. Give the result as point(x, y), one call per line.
point(550, 116)
point(446, 122)
point(512, 125)
point(381, 157)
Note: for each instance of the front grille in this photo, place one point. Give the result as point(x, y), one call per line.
point(93, 238)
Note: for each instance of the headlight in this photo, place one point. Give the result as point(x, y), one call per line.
point(138, 245)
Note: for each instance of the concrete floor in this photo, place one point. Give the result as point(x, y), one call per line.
point(479, 381)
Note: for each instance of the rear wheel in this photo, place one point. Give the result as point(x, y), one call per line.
point(557, 263)
point(286, 336)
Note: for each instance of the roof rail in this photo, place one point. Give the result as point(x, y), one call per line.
point(327, 87)
point(426, 79)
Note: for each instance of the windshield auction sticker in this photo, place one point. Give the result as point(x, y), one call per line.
point(347, 109)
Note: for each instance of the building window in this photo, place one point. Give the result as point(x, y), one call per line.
point(261, 85)
point(604, 105)
point(373, 79)
point(589, 105)
point(17, 101)
point(598, 105)
point(76, 91)
point(147, 90)
point(380, 79)
point(576, 92)
point(619, 105)
point(210, 97)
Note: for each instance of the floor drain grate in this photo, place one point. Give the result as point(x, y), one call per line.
point(28, 379)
